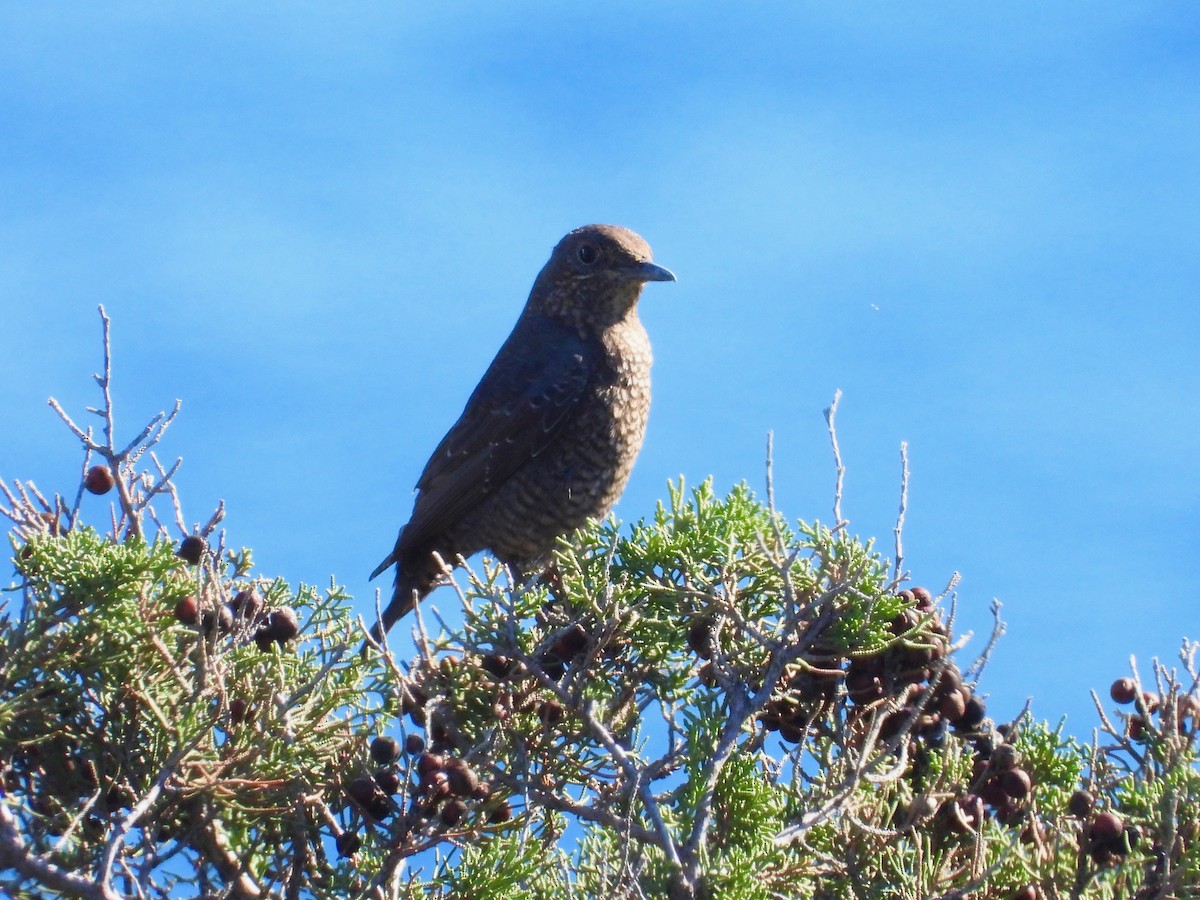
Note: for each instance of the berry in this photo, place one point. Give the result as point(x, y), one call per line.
point(699, 637)
point(247, 604)
point(1107, 828)
point(429, 763)
point(1016, 783)
point(1003, 758)
point(1123, 690)
point(453, 812)
point(282, 625)
point(572, 643)
point(1080, 804)
point(388, 781)
point(219, 620)
point(191, 549)
point(187, 611)
point(414, 744)
point(975, 711)
point(500, 666)
point(99, 480)
point(462, 778)
point(385, 750)
point(362, 790)
point(239, 711)
point(502, 813)
point(348, 843)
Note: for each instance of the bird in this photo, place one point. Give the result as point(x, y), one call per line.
point(548, 438)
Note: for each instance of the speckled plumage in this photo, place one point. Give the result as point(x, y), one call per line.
point(549, 436)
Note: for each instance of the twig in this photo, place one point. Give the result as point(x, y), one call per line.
point(830, 416)
point(898, 531)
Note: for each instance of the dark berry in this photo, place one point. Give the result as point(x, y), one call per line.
point(502, 813)
point(1080, 804)
point(362, 790)
point(463, 780)
point(348, 843)
point(453, 813)
point(191, 549)
point(1016, 783)
point(239, 711)
point(388, 781)
point(219, 620)
point(500, 666)
point(429, 763)
point(572, 643)
point(282, 625)
point(1107, 827)
point(414, 744)
point(993, 792)
point(1123, 690)
point(699, 637)
point(247, 604)
point(187, 611)
point(99, 480)
point(973, 715)
point(385, 749)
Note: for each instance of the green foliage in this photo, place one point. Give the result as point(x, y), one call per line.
point(115, 717)
point(713, 703)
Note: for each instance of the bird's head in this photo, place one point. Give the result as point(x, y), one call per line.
point(595, 276)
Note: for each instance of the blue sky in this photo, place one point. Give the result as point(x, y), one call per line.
point(316, 224)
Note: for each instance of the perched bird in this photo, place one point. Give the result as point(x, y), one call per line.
point(548, 438)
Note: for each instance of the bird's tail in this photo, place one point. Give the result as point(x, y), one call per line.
point(405, 594)
point(390, 561)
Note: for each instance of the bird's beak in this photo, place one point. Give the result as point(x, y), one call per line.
point(648, 271)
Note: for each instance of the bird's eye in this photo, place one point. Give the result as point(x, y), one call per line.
point(587, 254)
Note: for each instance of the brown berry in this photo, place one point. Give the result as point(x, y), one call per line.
point(191, 549)
point(239, 711)
point(453, 813)
point(924, 598)
point(502, 813)
point(500, 666)
point(1107, 827)
point(699, 637)
point(348, 843)
point(1016, 783)
point(362, 790)
point(99, 480)
point(247, 604)
point(282, 625)
point(429, 763)
point(973, 715)
point(1003, 758)
point(187, 611)
point(388, 780)
point(385, 749)
point(463, 780)
point(1123, 690)
point(414, 744)
point(573, 642)
point(1080, 804)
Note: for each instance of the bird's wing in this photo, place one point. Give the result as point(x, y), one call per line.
point(523, 399)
